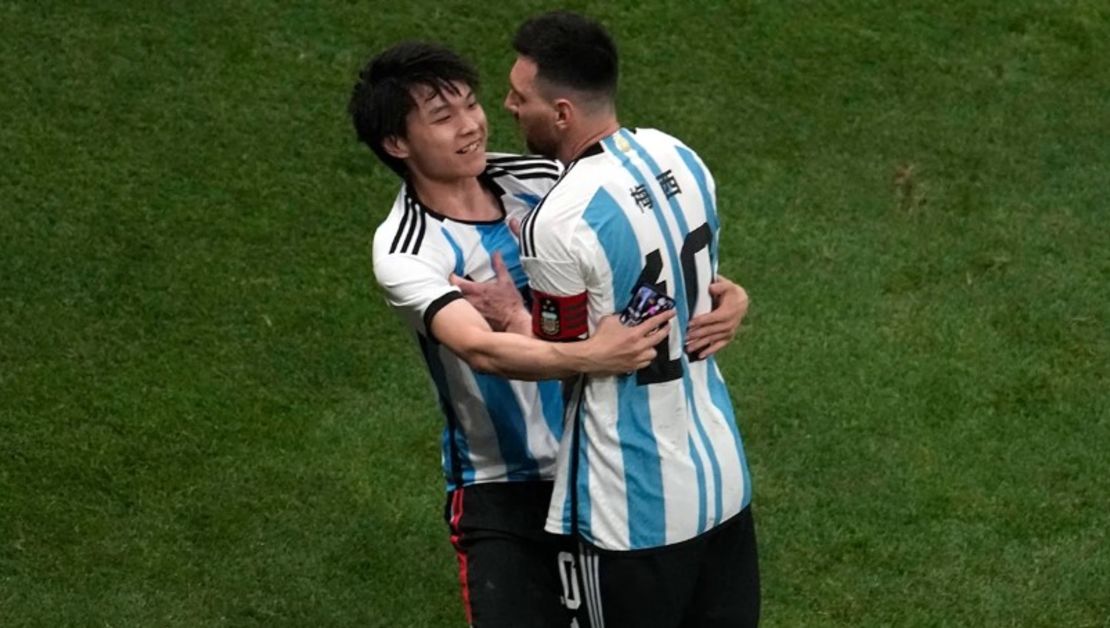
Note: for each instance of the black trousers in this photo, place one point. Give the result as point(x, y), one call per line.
point(512, 573)
point(710, 581)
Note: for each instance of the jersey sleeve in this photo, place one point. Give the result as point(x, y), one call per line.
point(416, 287)
point(555, 275)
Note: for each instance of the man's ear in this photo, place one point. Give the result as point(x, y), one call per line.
point(396, 147)
point(564, 113)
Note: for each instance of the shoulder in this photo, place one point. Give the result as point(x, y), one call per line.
point(409, 237)
point(570, 193)
point(581, 180)
point(408, 229)
point(657, 138)
point(403, 218)
point(555, 221)
point(673, 152)
point(659, 141)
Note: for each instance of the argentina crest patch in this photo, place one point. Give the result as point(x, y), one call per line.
point(549, 317)
point(556, 317)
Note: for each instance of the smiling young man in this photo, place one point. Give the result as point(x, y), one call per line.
point(416, 108)
point(652, 476)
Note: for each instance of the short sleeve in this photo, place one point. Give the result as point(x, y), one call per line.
point(416, 287)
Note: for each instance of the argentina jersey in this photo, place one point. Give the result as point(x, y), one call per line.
point(496, 430)
point(655, 457)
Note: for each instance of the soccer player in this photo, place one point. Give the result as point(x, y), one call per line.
point(415, 106)
point(652, 476)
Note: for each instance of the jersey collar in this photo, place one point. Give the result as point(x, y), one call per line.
point(486, 181)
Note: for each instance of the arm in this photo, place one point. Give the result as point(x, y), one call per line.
point(499, 302)
point(613, 348)
point(712, 331)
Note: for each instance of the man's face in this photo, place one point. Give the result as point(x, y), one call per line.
point(534, 115)
point(445, 134)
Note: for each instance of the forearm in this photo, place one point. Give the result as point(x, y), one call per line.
point(516, 356)
point(463, 330)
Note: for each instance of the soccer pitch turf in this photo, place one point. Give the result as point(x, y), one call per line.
point(208, 417)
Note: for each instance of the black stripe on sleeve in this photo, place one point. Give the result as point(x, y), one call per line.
point(420, 234)
point(523, 175)
point(539, 165)
point(401, 228)
point(525, 229)
point(435, 307)
point(412, 226)
point(532, 230)
point(528, 230)
point(514, 162)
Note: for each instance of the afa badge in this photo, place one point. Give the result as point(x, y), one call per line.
point(556, 317)
point(549, 317)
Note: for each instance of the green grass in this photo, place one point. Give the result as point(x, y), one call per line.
point(209, 418)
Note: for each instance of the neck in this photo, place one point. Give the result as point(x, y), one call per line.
point(461, 199)
point(593, 131)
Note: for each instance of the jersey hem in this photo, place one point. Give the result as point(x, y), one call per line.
point(539, 480)
point(644, 551)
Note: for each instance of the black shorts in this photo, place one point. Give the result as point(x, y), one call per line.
point(512, 573)
point(710, 581)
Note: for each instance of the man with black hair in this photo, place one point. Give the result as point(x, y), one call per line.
point(415, 106)
point(652, 476)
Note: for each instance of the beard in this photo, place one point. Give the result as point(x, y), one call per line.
point(544, 145)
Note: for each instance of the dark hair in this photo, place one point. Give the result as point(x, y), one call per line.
point(570, 50)
point(382, 97)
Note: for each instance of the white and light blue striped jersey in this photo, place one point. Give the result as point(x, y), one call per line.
point(652, 458)
point(497, 430)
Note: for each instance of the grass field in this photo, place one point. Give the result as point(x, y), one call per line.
point(209, 418)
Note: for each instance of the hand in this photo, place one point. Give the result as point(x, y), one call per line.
point(708, 333)
point(616, 349)
point(497, 300)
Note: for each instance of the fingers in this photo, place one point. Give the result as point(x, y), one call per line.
point(724, 291)
point(650, 324)
point(710, 341)
point(719, 287)
point(500, 269)
point(706, 347)
point(695, 346)
point(708, 319)
point(514, 226)
point(608, 319)
point(730, 302)
point(708, 328)
point(645, 358)
point(464, 285)
point(712, 349)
